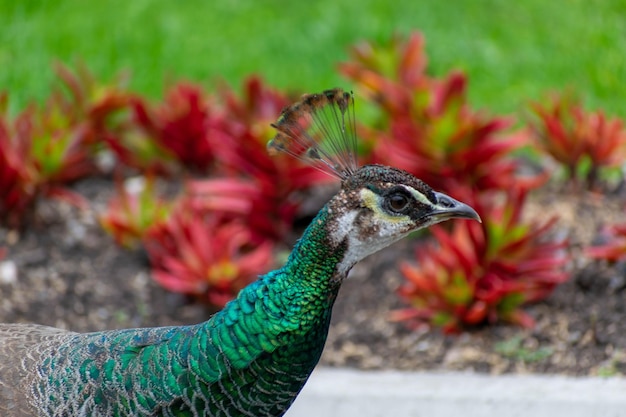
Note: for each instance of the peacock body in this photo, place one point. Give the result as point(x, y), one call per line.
point(253, 357)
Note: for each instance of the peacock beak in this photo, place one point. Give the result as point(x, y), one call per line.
point(449, 208)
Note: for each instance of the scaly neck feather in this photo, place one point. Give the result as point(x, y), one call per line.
point(266, 342)
point(289, 301)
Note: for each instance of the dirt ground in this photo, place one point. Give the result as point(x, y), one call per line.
point(71, 275)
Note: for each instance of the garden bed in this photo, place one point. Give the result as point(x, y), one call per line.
point(70, 274)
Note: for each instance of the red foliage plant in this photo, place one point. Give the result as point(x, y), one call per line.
point(613, 247)
point(134, 209)
point(45, 148)
point(88, 105)
point(583, 142)
point(17, 190)
point(426, 126)
point(219, 234)
point(181, 128)
point(474, 273)
point(208, 241)
point(226, 136)
point(246, 122)
point(206, 247)
point(478, 274)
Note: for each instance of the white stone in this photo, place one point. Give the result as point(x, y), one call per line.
point(8, 272)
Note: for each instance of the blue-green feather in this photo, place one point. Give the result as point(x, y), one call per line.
point(251, 358)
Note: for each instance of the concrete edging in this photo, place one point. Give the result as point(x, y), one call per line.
point(351, 393)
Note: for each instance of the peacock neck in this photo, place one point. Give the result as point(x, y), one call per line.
point(271, 336)
point(285, 307)
point(312, 264)
point(267, 340)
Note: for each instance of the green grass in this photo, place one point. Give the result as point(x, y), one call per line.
point(512, 51)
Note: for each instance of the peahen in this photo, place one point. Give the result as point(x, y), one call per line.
point(253, 357)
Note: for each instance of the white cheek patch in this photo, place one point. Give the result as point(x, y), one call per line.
point(344, 231)
point(389, 229)
point(343, 226)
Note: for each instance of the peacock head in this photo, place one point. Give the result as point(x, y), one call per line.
point(377, 205)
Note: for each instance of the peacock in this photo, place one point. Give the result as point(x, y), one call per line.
point(253, 357)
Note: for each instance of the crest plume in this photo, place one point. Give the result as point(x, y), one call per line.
point(320, 130)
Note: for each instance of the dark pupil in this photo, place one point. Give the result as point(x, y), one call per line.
point(398, 202)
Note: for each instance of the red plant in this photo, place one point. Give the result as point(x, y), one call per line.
point(220, 232)
point(16, 189)
point(479, 274)
point(184, 125)
point(228, 138)
point(252, 114)
point(90, 107)
point(237, 199)
point(37, 160)
point(206, 247)
point(133, 148)
point(45, 148)
point(426, 126)
point(246, 121)
point(207, 242)
point(85, 112)
point(613, 248)
point(135, 208)
point(584, 143)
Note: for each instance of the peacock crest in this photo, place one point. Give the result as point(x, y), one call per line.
point(320, 130)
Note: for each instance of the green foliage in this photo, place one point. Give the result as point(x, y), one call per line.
point(514, 349)
point(510, 51)
point(613, 366)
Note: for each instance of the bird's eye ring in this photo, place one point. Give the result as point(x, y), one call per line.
point(398, 202)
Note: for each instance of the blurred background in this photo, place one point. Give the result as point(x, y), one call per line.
point(512, 51)
point(175, 156)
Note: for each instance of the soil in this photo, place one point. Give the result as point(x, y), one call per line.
point(71, 275)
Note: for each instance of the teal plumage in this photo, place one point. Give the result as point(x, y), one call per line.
point(250, 359)
point(139, 371)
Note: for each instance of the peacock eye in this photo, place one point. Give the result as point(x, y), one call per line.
point(398, 202)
